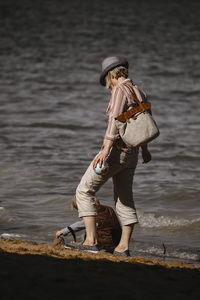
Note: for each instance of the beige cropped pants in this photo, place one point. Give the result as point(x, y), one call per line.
point(121, 168)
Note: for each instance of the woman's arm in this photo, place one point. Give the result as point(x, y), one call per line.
point(117, 102)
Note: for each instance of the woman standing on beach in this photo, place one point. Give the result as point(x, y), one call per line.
point(121, 161)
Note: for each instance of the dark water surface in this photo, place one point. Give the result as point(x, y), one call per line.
point(53, 114)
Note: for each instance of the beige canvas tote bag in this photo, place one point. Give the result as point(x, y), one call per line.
point(137, 128)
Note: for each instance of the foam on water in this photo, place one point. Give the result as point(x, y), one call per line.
point(165, 250)
point(150, 220)
point(12, 235)
point(170, 255)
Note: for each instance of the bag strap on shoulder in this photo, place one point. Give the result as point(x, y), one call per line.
point(142, 107)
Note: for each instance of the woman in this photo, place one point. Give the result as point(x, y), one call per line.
point(121, 160)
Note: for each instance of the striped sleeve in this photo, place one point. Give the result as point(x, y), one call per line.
point(116, 107)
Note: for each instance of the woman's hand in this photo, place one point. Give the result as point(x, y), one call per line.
point(146, 155)
point(101, 157)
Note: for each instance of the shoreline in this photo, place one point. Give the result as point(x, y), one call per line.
point(49, 271)
point(57, 250)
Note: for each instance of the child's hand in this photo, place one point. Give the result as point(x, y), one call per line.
point(58, 233)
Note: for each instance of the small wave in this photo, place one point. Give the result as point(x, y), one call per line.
point(169, 253)
point(12, 235)
point(153, 250)
point(4, 216)
point(185, 255)
point(150, 220)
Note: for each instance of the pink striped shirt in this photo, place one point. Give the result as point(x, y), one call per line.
point(121, 100)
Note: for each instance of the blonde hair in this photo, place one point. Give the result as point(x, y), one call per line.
point(74, 203)
point(119, 72)
point(108, 80)
point(116, 73)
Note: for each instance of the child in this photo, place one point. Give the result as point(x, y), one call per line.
point(108, 227)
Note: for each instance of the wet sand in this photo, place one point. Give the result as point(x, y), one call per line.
point(49, 271)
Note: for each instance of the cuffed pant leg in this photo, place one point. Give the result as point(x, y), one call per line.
point(123, 194)
point(86, 190)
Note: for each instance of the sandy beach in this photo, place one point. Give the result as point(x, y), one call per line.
point(49, 271)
